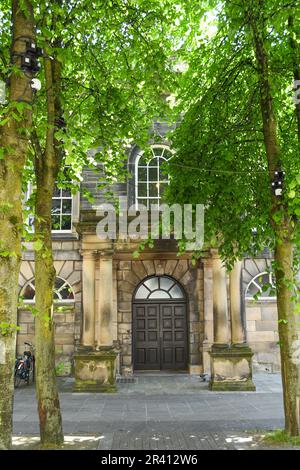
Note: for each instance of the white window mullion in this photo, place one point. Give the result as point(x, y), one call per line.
point(148, 204)
point(165, 154)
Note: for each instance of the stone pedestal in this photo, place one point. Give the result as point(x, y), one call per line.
point(231, 368)
point(96, 358)
point(95, 371)
point(230, 361)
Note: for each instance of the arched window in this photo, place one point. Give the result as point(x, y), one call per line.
point(159, 288)
point(261, 287)
point(150, 177)
point(63, 292)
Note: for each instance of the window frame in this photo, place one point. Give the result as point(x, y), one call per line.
point(262, 297)
point(148, 198)
point(75, 209)
point(71, 198)
point(55, 301)
point(159, 289)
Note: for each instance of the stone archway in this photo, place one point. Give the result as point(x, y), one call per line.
point(131, 273)
point(159, 325)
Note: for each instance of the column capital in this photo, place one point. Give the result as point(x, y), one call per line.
point(105, 254)
point(214, 252)
point(88, 254)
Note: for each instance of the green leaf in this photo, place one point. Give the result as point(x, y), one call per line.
point(4, 121)
point(292, 194)
point(38, 245)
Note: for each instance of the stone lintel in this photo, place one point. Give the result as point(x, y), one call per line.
point(124, 255)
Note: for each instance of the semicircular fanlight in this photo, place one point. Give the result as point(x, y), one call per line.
point(159, 288)
point(62, 292)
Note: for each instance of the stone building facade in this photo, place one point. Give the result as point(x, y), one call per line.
point(116, 314)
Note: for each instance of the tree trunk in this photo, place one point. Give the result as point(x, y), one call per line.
point(289, 343)
point(15, 147)
point(283, 228)
point(46, 166)
point(46, 389)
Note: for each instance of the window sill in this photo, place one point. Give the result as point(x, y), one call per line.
point(64, 236)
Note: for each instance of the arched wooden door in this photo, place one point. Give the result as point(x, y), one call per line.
point(160, 325)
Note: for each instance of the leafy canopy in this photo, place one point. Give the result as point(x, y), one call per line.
point(220, 153)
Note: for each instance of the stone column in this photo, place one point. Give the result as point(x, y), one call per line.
point(236, 305)
point(220, 308)
point(95, 370)
point(208, 313)
point(88, 290)
point(231, 367)
point(104, 322)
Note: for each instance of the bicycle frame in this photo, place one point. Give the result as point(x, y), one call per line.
point(24, 366)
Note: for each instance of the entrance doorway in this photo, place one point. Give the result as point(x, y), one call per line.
point(160, 325)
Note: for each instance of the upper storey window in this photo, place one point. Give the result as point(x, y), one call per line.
point(150, 177)
point(61, 210)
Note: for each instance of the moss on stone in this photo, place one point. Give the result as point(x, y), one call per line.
point(86, 377)
point(224, 386)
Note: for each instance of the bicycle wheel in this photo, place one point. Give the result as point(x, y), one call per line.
point(30, 376)
point(17, 379)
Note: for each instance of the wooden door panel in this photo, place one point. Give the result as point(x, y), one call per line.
point(173, 336)
point(146, 353)
point(159, 336)
point(179, 355)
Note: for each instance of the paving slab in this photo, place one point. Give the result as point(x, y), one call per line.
point(159, 412)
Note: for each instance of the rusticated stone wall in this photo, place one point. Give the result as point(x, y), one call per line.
point(262, 334)
point(67, 315)
point(261, 321)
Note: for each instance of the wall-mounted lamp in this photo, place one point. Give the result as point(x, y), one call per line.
point(29, 58)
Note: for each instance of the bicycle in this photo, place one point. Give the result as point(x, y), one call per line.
point(24, 366)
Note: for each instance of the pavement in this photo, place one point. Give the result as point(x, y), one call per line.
point(158, 411)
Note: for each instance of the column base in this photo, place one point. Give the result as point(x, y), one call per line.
point(206, 348)
point(195, 369)
point(231, 368)
point(95, 371)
